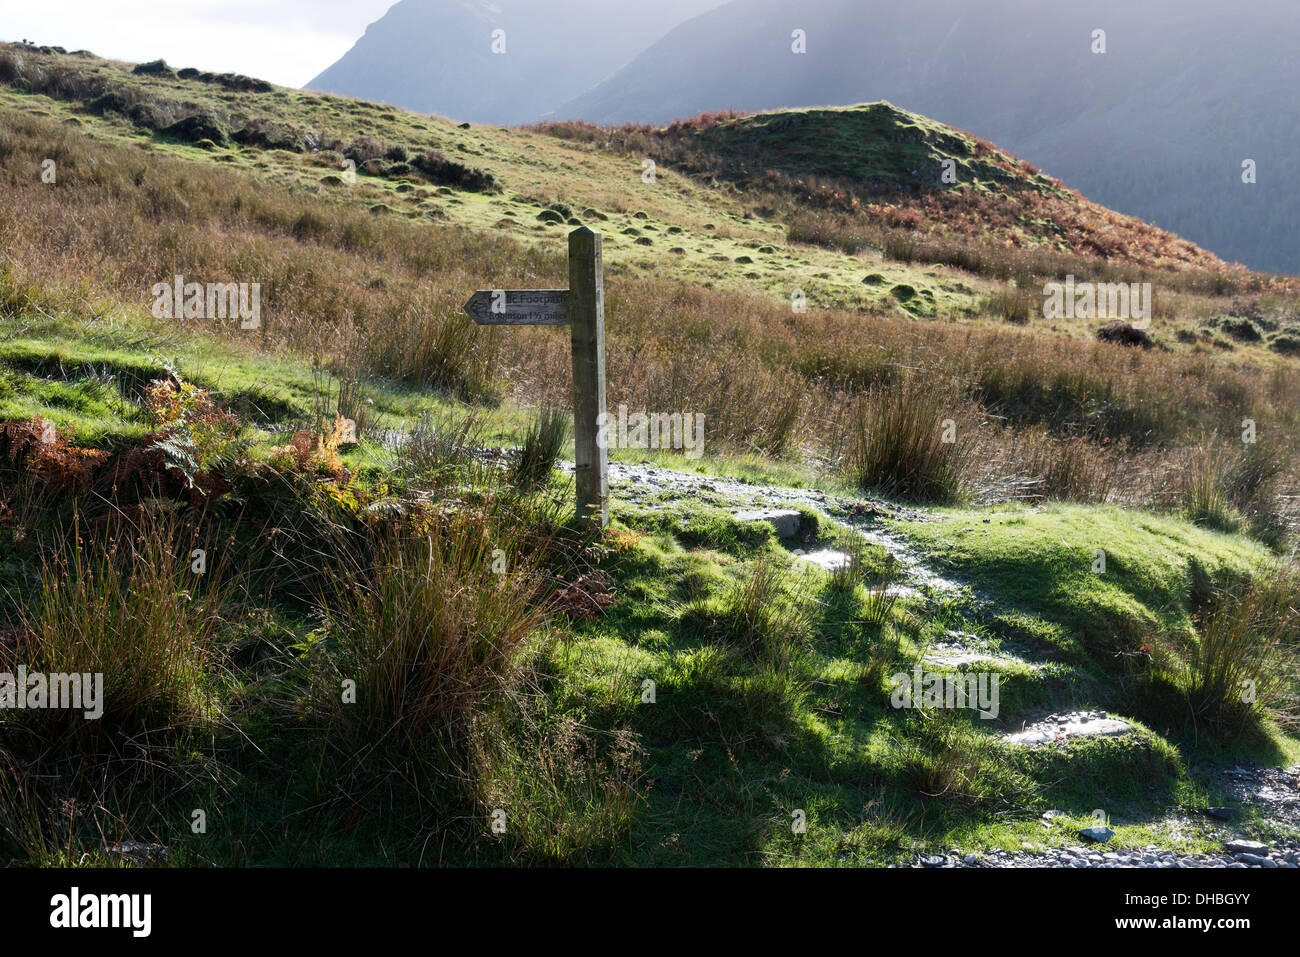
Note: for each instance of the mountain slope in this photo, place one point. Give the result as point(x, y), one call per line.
point(1157, 127)
point(436, 56)
point(834, 171)
point(129, 438)
point(845, 206)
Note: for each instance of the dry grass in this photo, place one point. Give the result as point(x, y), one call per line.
point(979, 231)
point(911, 439)
point(431, 637)
point(381, 295)
point(124, 601)
point(1244, 662)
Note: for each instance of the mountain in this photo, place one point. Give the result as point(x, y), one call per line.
point(436, 56)
point(1158, 126)
point(806, 323)
point(848, 206)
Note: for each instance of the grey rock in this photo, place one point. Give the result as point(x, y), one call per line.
point(1098, 835)
point(138, 851)
point(1245, 847)
point(786, 522)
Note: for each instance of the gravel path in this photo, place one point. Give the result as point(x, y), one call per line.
point(1274, 792)
point(647, 484)
point(1283, 854)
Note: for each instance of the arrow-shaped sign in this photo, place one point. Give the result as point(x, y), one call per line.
point(519, 307)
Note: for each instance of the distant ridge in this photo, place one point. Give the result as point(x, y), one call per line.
point(435, 56)
point(1158, 126)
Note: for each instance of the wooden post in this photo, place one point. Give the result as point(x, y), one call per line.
point(582, 307)
point(587, 324)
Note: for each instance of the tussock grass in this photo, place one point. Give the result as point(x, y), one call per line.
point(946, 758)
point(911, 439)
point(432, 635)
point(757, 618)
point(130, 607)
point(439, 452)
point(1202, 492)
point(1244, 663)
point(881, 595)
point(543, 443)
point(1236, 487)
point(762, 621)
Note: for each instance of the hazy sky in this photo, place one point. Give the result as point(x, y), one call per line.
point(284, 41)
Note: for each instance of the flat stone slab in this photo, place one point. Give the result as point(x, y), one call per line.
point(1074, 724)
point(959, 659)
point(785, 521)
point(1245, 847)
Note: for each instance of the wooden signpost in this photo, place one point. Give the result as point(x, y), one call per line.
point(582, 308)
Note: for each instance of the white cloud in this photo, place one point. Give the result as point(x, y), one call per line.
point(286, 41)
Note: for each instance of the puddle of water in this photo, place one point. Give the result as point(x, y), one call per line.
point(826, 558)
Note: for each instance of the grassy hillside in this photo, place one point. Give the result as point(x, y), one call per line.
point(1102, 121)
point(397, 630)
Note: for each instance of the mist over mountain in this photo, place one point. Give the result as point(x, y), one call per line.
point(436, 56)
point(1158, 126)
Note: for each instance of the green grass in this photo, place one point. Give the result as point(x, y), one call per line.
point(1125, 635)
point(869, 142)
point(89, 383)
point(749, 753)
point(1040, 561)
point(726, 688)
point(736, 742)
